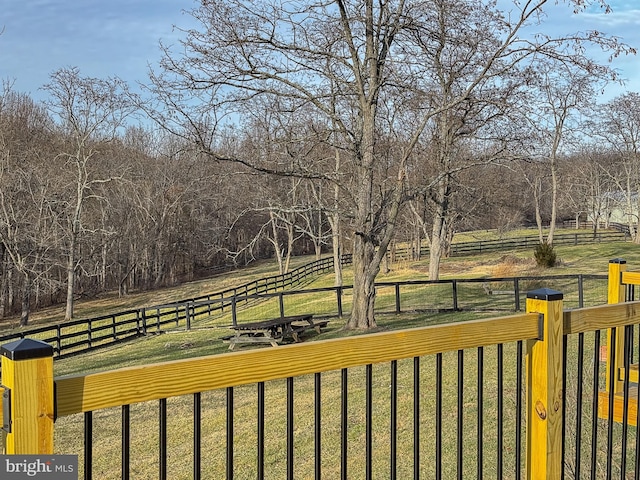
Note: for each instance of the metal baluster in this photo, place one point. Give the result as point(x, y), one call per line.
point(260, 430)
point(290, 428)
point(480, 439)
point(126, 442)
point(343, 424)
point(500, 432)
point(88, 445)
point(197, 435)
point(229, 433)
point(460, 422)
point(416, 418)
point(369, 422)
point(394, 420)
point(594, 412)
point(318, 425)
point(580, 379)
point(163, 438)
point(439, 416)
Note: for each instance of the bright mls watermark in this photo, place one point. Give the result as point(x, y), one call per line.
point(51, 467)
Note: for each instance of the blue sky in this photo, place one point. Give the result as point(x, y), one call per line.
point(120, 37)
point(102, 38)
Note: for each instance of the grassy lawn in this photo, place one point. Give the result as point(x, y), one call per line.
point(205, 340)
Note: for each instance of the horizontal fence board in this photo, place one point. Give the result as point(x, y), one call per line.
point(631, 278)
point(131, 385)
point(601, 317)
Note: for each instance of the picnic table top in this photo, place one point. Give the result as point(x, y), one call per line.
point(272, 323)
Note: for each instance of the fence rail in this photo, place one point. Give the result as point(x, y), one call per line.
point(77, 336)
point(615, 233)
point(509, 397)
point(467, 248)
point(218, 310)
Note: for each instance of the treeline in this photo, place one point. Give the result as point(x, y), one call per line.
point(129, 211)
point(90, 201)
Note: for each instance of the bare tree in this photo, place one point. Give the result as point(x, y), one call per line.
point(619, 125)
point(352, 63)
point(89, 112)
point(27, 216)
point(588, 187)
point(560, 91)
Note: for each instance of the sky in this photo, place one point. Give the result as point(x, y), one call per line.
point(106, 38)
point(103, 38)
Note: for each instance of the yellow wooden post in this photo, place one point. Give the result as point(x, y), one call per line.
point(27, 381)
point(615, 354)
point(544, 388)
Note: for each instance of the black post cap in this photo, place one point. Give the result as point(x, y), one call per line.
point(621, 261)
point(26, 349)
point(545, 294)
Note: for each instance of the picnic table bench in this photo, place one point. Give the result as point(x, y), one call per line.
point(273, 331)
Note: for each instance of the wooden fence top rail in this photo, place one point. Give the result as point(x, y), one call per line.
point(601, 317)
point(125, 386)
point(631, 278)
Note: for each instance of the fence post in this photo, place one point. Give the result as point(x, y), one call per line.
point(281, 304)
point(144, 320)
point(397, 290)
point(28, 412)
point(454, 285)
point(234, 311)
point(339, 299)
point(580, 291)
point(615, 294)
point(544, 388)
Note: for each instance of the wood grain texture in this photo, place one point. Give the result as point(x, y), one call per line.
point(130, 385)
point(600, 317)
point(544, 394)
point(616, 295)
point(631, 278)
point(31, 384)
point(633, 373)
point(618, 406)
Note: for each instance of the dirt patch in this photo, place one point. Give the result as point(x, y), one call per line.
point(508, 265)
point(512, 266)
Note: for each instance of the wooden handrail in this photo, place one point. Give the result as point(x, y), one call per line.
point(601, 317)
point(125, 386)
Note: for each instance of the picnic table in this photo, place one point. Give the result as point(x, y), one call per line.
point(273, 331)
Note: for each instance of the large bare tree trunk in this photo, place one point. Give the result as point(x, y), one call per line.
point(436, 248)
point(26, 301)
point(4, 282)
point(73, 247)
point(366, 261)
point(364, 292)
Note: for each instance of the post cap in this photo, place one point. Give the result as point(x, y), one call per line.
point(621, 261)
point(545, 294)
point(26, 349)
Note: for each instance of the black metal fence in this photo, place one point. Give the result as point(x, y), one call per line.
point(457, 414)
point(340, 415)
point(451, 406)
